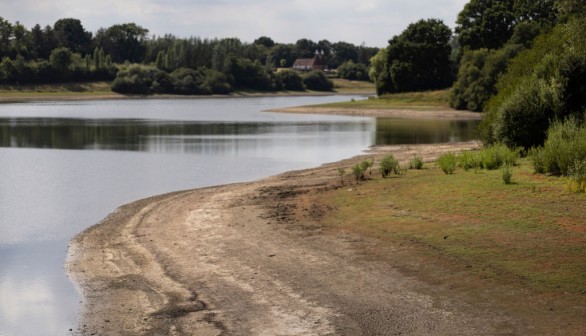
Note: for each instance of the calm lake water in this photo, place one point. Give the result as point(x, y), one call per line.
point(65, 165)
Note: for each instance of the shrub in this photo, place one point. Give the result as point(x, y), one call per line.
point(389, 165)
point(447, 163)
point(289, 80)
point(353, 71)
point(495, 156)
point(577, 175)
point(470, 160)
point(358, 171)
point(565, 145)
point(317, 81)
point(536, 156)
point(416, 162)
point(507, 174)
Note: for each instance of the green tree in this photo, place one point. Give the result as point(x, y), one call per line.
point(485, 24)
point(418, 59)
point(343, 52)
point(124, 42)
point(6, 34)
point(61, 59)
point(317, 81)
point(71, 34)
point(265, 41)
point(289, 80)
point(353, 71)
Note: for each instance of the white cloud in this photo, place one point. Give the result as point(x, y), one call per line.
point(371, 21)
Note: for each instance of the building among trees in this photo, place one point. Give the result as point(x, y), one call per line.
point(317, 63)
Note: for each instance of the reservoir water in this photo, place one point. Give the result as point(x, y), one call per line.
point(65, 165)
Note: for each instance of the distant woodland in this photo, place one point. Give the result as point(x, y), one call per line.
point(523, 62)
point(140, 63)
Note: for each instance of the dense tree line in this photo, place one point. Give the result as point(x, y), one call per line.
point(524, 64)
point(66, 51)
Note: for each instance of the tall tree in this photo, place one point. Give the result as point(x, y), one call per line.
point(124, 42)
point(6, 34)
point(418, 59)
point(265, 41)
point(71, 34)
point(485, 24)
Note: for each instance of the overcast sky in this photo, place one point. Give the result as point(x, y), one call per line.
point(373, 22)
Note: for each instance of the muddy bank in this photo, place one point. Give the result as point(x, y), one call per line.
point(253, 259)
point(386, 113)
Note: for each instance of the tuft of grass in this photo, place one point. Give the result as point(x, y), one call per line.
point(469, 160)
point(358, 171)
point(416, 162)
point(507, 174)
point(577, 174)
point(447, 163)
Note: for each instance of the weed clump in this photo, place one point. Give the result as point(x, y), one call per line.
point(389, 165)
point(577, 174)
point(469, 160)
point(563, 150)
point(447, 163)
point(416, 162)
point(507, 174)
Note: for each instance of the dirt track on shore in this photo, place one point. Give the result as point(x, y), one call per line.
point(242, 260)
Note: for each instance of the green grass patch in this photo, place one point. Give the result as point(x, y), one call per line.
point(349, 87)
point(530, 233)
point(430, 100)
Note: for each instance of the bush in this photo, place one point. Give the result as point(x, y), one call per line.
point(135, 79)
point(477, 77)
point(317, 81)
point(416, 162)
point(389, 165)
point(447, 163)
point(577, 175)
point(469, 160)
point(494, 157)
point(564, 148)
point(523, 118)
point(353, 71)
point(358, 171)
point(507, 174)
point(289, 80)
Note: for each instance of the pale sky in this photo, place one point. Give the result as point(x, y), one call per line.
point(373, 22)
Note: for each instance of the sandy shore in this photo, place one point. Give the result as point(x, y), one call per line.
point(222, 260)
point(389, 113)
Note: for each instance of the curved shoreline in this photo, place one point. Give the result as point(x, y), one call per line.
point(385, 113)
point(224, 261)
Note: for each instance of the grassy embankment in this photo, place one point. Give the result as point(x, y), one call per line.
point(55, 91)
point(528, 234)
point(430, 100)
point(97, 90)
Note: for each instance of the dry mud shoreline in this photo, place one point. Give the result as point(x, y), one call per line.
point(253, 259)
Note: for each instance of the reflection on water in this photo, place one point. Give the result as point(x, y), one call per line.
point(65, 166)
point(391, 131)
point(210, 137)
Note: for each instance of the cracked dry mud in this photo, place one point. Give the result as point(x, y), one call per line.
point(242, 260)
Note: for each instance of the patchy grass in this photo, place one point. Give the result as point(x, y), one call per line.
point(349, 87)
point(430, 100)
point(530, 233)
point(66, 91)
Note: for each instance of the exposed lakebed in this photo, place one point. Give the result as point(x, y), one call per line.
point(65, 165)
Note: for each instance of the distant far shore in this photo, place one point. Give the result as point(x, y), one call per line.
point(101, 91)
